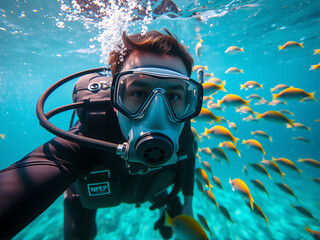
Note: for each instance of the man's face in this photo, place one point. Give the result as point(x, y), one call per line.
point(153, 134)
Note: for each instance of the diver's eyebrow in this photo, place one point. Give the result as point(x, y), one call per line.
point(176, 87)
point(137, 83)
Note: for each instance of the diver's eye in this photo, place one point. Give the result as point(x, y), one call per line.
point(139, 94)
point(174, 97)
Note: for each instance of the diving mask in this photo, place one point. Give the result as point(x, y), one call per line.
point(133, 90)
point(153, 104)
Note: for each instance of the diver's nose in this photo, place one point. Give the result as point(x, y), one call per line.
point(158, 113)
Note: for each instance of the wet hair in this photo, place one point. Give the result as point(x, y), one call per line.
point(151, 42)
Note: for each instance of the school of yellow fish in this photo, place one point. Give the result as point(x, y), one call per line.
point(280, 94)
point(186, 227)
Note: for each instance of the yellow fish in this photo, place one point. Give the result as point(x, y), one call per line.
point(199, 185)
point(203, 177)
point(232, 125)
point(258, 184)
point(286, 111)
point(223, 119)
point(207, 166)
point(290, 44)
point(315, 234)
point(208, 74)
point(260, 168)
point(2, 136)
point(245, 109)
point(279, 87)
point(310, 161)
point(215, 106)
point(207, 151)
point(215, 80)
point(221, 132)
point(199, 48)
point(261, 101)
point(195, 133)
point(254, 96)
point(233, 100)
point(219, 154)
point(216, 180)
point(198, 156)
point(229, 145)
point(225, 213)
point(245, 170)
point(242, 188)
point(293, 93)
point(284, 187)
point(234, 49)
point(273, 166)
point(276, 102)
point(250, 84)
point(233, 70)
point(250, 119)
point(316, 51)
point(286, 162)
point(204, 223)
point(185, 227)
point(197, 67)
point(306, 99)
point(298, 125)
point(207, 116)
point(304, 211)
point(302, 139)
point(254, 144)
point(211, 197)
point(275, 116)
point(262, 134)
point(314, 67)
point(207, 99)
point(257, 210)
point(212, 88)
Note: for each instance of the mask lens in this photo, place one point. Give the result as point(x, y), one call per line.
point(133, 92)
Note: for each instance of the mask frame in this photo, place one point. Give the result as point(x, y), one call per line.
point(161, 73)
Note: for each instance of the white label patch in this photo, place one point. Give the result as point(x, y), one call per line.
point(97, 189)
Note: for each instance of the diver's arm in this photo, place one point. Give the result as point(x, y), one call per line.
point(187, 205)
point(187, 189)
point(31, 185)
point(189, 181)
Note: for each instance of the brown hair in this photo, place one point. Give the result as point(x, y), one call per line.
point(154, 42)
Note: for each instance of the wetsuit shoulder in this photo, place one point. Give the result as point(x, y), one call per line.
point(32, 184)
point(188, 148)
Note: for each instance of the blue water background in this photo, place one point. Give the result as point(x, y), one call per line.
point(35, 53)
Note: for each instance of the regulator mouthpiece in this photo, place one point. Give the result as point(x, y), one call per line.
point(154, 149)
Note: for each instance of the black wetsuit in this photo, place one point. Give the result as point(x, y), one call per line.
point(31, 185)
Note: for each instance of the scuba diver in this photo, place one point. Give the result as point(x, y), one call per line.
point(132, 141)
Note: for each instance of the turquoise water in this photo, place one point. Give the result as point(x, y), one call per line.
point(36, 51)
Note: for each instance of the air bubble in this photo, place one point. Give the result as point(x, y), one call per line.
point(64, 7)
point(111, 20)
point(60, 24)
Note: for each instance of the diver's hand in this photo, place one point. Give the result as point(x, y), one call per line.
point(187, 206)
